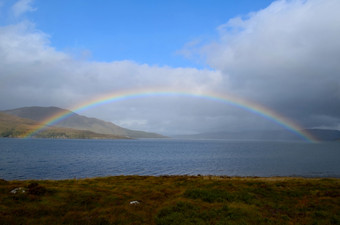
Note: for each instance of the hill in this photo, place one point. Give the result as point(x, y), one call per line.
point(282, 135)
point(13, 126)
point(78, 122)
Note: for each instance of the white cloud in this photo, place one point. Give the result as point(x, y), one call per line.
point(34, 73)
point(22, 6)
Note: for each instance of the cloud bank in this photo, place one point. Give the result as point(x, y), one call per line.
point(34, 73)
point(285, 57)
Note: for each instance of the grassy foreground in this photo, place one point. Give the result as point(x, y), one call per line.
point(171, 200)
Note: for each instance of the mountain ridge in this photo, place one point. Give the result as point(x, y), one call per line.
point(16, 127)
point(79, 122)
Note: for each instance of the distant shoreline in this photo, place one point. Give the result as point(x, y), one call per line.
point(205, 177)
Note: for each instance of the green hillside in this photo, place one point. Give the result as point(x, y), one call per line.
point(16, 127)
point(79, 122)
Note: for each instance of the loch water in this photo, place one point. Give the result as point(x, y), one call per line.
point(68, 159)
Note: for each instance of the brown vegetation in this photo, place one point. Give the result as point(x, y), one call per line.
point(171, 200)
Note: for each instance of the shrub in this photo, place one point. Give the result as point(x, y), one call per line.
point(213, 195)
point(36, 189)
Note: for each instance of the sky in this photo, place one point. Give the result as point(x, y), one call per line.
point(283, 55)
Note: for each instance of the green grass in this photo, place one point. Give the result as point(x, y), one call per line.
point(171, 200)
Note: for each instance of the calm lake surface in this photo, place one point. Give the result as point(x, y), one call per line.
point(62, 159)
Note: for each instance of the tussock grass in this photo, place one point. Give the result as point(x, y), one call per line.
point(171, 200)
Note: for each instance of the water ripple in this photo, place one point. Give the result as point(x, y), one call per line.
point(62, 159)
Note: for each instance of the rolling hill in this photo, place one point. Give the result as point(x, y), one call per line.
point(16, 127)
point(78, 122)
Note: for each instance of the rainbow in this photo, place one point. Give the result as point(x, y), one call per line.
point(246, 105)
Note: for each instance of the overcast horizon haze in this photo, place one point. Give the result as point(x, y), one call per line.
point(284, 55)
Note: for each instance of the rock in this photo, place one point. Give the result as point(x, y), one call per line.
point(18, 190)
point(134, 203)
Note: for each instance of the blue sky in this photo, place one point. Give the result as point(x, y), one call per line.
point(150, 31)
point(283, 55)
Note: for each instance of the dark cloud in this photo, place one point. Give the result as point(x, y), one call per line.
point(286, 57)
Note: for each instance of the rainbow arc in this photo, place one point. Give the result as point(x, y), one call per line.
point(249, 106)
